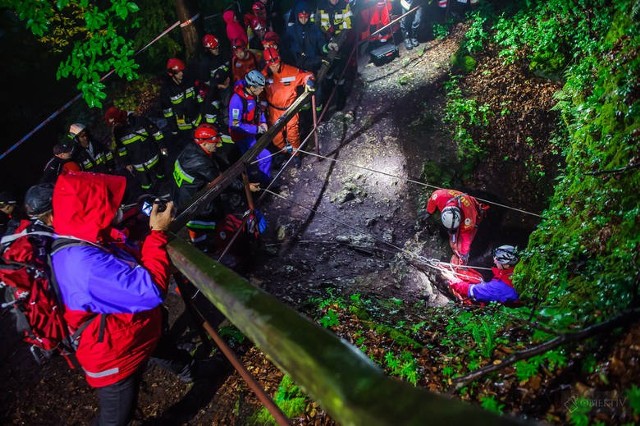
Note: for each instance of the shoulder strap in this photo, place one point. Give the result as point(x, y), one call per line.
point(8, 239)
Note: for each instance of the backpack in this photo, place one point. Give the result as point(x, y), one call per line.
point(31, 292)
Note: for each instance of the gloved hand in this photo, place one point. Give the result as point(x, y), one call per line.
point(310, 85)
point(332, 46)
point(423, 216)
point(262, 128)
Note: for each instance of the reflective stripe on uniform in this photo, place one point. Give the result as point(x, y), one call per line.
point(137, 135)
point(179, 175)
point(201, 224)
point(147, 164)
point(104, 373)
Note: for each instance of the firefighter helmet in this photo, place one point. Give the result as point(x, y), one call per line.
point(451, 217)
point(114, 116)
point(175, 65)
point(37, 200)
point(206, 133)
point(254, 78)
point(506, 255)
point(210, 41)
point(271, 56)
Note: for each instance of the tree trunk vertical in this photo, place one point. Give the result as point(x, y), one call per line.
point(187, 18)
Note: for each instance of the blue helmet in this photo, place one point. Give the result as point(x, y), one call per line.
point(254, 78)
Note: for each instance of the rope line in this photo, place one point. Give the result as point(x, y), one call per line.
point(413, 181)
point(431, 262)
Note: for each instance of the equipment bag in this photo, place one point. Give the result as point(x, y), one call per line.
point(31, 292)
point(385, 53)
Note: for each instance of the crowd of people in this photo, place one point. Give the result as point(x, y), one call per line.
point(215, 109)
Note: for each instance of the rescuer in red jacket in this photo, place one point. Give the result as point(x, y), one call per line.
point(284, 83)
point(115, 295)
point(460, 214)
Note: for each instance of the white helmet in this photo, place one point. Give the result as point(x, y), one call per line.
point(506, 255)
point(75, 129)
point(451, 217)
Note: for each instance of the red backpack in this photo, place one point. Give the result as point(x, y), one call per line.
point(25, 275)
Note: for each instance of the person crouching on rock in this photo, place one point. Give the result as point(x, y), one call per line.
point(460, 214)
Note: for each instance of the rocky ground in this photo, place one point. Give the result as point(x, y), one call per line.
point(346, 221)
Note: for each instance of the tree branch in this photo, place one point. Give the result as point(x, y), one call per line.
point(618, 170)
point(620, 320)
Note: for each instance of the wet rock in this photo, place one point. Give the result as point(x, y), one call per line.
point(387, 236)
point(343, 196)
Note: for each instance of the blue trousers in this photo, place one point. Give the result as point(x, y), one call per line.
point(263, 170)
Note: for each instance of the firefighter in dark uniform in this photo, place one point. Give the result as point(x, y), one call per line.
point(89, 154)
point(213, 81)
point(335, 17)
point(140, 146)
point(181, 105)
point(192, 170)
point(61, 162)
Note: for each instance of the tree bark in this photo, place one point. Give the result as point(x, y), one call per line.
point(188, 27)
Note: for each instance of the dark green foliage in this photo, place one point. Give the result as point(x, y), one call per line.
point(582, 261)
point(464, 115)
point(289, 398)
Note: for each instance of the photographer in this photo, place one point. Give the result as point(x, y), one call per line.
point(112, 295)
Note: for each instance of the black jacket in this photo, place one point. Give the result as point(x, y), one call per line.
point(180, 104)
point(138, 142)
point(193, 169)
point(95, 158)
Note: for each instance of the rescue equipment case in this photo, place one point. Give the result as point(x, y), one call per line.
point(384, 54)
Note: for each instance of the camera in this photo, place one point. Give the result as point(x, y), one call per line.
point(147, 206)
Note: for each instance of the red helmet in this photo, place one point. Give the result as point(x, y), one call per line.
point(206, 133)
point(239, 43)
point(175, 64)
point(272, 36)
point(256, 24)
point(210, 41)
point(114, 116)
point(271, 56)
point(258, 8)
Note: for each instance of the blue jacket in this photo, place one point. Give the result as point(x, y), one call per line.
point(495, 290)
point(304, 45)
point(244, 114)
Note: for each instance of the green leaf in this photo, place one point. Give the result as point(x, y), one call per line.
point(490, 403)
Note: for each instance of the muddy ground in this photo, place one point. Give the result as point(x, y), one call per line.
point(337, 222)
